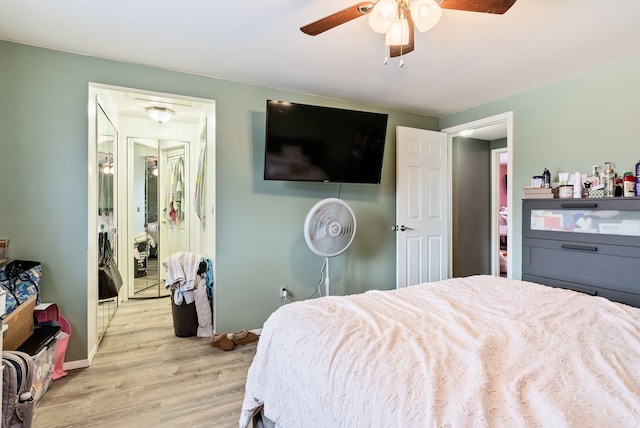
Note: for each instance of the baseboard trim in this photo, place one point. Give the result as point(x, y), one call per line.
point(74, 365)
point(80, 364)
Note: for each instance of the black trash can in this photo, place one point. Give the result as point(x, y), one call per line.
point(185, 318)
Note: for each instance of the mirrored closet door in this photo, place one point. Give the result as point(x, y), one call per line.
point(107, 137)
point(159, 217)
point(145, 240)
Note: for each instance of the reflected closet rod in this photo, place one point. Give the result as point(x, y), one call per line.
point(171, 154)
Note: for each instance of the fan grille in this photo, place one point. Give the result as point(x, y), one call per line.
point(330, 227)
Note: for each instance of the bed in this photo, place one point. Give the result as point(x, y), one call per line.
point(464, 352)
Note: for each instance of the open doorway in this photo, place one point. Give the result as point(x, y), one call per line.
point(499, 206)
point(495, 132)
point(185, 123)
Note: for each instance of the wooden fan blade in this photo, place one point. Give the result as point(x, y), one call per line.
point(338, 18)
point(397, 50)
point(486, 6)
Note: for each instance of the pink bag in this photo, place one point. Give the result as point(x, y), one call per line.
point(50, 314)
point(61, 348)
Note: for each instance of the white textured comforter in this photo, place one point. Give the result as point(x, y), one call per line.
point(467, 352)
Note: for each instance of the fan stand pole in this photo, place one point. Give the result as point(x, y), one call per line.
point(327, 281)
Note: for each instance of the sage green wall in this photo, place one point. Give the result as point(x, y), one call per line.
point(260, 244)
point(567, 126)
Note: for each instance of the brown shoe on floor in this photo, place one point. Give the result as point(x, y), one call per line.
point(221, 341)
point(243, 337)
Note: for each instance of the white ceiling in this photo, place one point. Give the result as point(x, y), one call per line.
point(134, 104)
point(468, 59)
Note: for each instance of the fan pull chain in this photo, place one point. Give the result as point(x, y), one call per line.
point(386, 57)
point(401, 63)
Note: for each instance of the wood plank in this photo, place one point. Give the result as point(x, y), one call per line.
point(145, 376)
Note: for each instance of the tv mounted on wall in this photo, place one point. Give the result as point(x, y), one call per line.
point(323, 144)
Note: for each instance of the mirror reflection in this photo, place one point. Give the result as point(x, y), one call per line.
point(107, 138)
point(159, 211)
point(146, 239)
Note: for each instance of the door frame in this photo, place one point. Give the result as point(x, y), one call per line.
point(453, 131)
point(126, 128)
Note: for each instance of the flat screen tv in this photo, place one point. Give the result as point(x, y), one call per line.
point(323, 144)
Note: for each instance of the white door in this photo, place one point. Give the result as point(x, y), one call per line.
point(421, 206)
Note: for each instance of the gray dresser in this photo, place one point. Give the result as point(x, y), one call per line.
point(587, 245)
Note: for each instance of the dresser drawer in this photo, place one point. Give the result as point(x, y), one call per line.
point(613, 267)
point(613, 295)
point(614, 221)
point(593, 291)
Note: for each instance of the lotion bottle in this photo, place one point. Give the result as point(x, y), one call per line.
point(628, 184)
point(577, 185)
point(594, 178)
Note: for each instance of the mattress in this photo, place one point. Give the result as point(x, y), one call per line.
point(475, 351)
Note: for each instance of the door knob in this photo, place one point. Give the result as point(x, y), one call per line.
point(401, 228)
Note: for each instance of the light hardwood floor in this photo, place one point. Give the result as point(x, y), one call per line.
point(149, 285)
point(145, 376)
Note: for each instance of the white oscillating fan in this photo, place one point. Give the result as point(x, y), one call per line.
point(329, 230)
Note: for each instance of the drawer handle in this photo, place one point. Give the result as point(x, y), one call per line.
point(579, 205)
point(578, 247)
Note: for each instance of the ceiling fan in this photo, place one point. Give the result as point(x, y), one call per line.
point(397, 18)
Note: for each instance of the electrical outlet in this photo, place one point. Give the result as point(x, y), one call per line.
point(283, 291)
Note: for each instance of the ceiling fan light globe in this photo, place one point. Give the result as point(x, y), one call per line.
point(425, 14)
point(382, 16)
point(398, 34)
